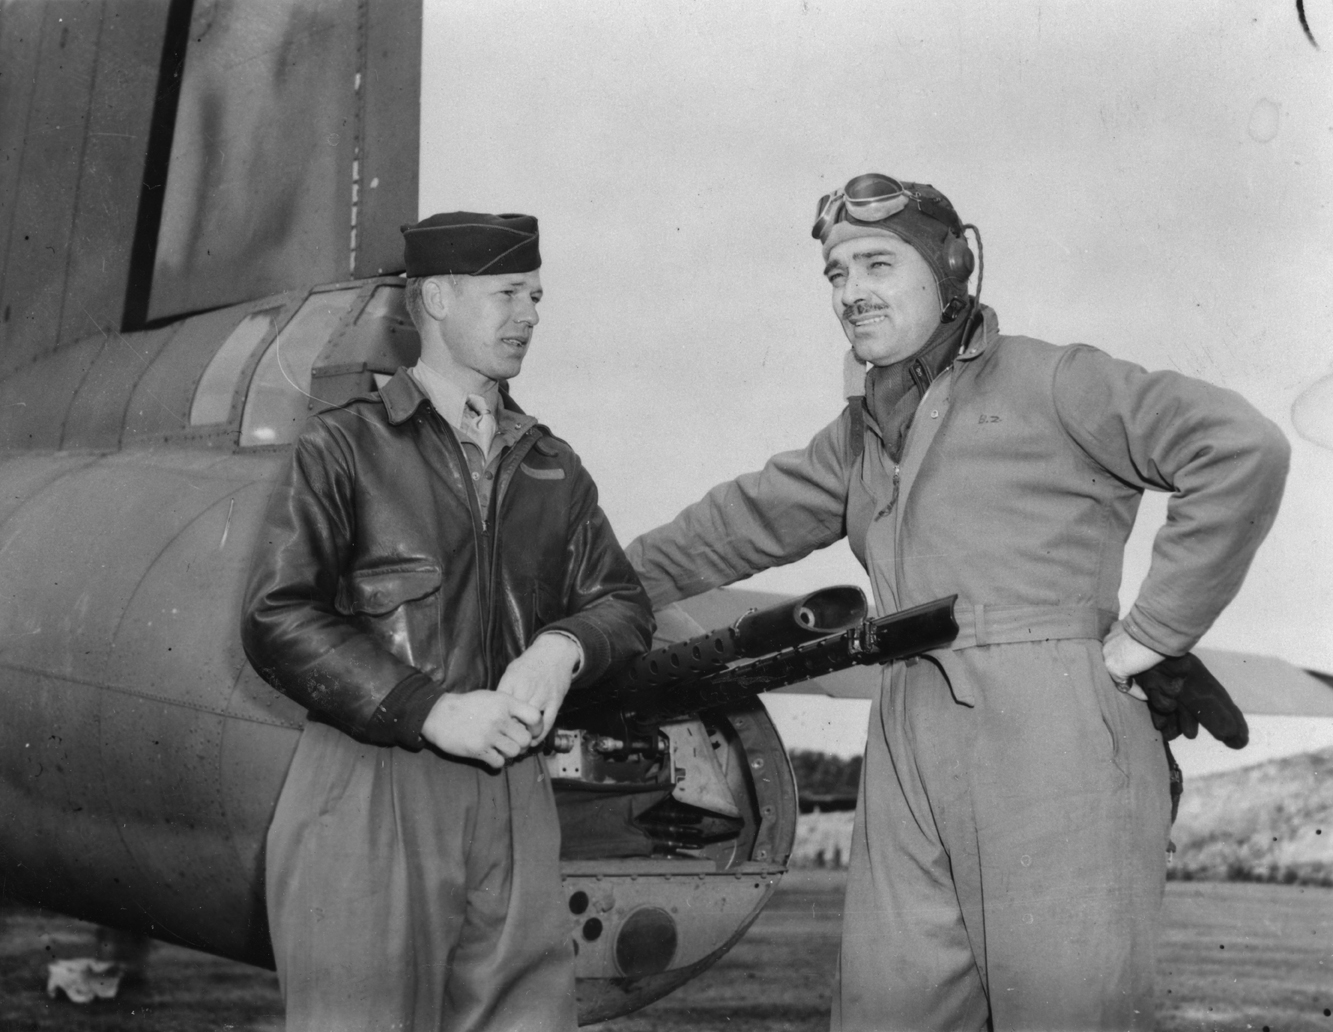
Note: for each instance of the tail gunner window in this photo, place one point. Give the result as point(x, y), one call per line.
point(277, 402)
point(217, 387)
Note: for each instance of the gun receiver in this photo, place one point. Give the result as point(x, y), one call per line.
point(704, 672)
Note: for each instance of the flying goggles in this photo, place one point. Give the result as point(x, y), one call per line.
point(873, 197)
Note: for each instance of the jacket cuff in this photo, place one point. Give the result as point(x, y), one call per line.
point(578, 663)
point(1155, 634)
point(596, 647)
point(403, 713)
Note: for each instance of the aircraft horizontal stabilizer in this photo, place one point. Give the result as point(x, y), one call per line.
point(1269, 686)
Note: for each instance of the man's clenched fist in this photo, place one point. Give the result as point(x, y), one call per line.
point(487, 726)
point(541, 676)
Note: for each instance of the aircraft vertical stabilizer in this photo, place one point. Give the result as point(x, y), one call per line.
point(161, 157)
point(294, 157)
point(77, 82)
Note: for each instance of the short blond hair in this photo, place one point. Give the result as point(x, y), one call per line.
point(416, 309)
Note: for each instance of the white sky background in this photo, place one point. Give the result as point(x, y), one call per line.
point(1153, 179)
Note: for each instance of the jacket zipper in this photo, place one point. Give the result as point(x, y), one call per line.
point(478, 548)
point(516, 455)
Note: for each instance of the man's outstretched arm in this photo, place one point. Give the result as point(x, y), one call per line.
point(777, 515)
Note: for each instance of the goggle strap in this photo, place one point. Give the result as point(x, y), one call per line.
point(941, 214)
point(837, 206)
point(831, 208)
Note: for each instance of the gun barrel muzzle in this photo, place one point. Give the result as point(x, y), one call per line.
point(757, 633)
point(784, 626)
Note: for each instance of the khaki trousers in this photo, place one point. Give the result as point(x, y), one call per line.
point(407, 891)
point(1008, 858)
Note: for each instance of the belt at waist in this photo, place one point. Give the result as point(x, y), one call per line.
point(982, 624)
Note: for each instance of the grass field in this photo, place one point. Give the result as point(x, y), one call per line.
point(1246, 956)
point(1233, 956)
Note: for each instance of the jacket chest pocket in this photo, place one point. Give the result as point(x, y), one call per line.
point(400, 608)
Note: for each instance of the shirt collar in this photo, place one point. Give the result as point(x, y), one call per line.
point(449, 399)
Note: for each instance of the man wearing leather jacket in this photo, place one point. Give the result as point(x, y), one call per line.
point(1008, 857)
point(433, 574)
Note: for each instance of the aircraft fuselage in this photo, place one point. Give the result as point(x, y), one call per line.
point(141, 757)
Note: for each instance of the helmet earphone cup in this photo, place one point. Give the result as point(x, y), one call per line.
point(958, 259)
point(957, 263)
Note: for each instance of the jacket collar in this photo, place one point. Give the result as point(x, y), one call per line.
point(982, 337)
point(854, 371)
point(402, 396)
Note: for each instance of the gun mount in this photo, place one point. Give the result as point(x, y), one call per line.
point(658, 744)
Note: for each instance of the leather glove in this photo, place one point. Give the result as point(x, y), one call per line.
point(1183, 693)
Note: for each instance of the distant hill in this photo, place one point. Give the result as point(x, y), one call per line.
point(825, 782)
point(827, 785)
point(1270, 822)
point(823, 839)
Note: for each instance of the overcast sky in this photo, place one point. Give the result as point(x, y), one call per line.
point(1153, 179)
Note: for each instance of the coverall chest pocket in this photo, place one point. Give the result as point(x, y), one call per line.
point(400, 607)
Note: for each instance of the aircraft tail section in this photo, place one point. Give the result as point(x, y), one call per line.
point(77, 82)
point(160, 157)
point(294, 157)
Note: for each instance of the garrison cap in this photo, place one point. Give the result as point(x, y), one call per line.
point(468, 243)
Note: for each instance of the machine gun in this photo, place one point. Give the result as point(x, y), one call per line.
point(794, 641)
point(648, 729)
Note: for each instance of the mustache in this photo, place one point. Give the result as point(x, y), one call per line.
point(857, 308)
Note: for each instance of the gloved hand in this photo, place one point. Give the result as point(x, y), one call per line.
point(1183, 693)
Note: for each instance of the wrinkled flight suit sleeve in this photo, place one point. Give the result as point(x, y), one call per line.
point(291, 629)
point(607, 608)
point(777, 515)
point(1224, 463)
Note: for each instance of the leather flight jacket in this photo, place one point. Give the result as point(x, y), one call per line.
point(377, 586)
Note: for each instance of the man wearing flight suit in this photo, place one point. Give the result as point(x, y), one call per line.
point(1008, 857)
point(432, 574)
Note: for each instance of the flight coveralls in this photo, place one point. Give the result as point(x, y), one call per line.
point(407, 889)
point(1008, 854)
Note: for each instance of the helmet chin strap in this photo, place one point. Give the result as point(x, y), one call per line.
point(894, 391)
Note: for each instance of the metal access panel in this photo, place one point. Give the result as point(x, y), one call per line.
point(386, 189)
point(77, 82)
point(266, 190)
